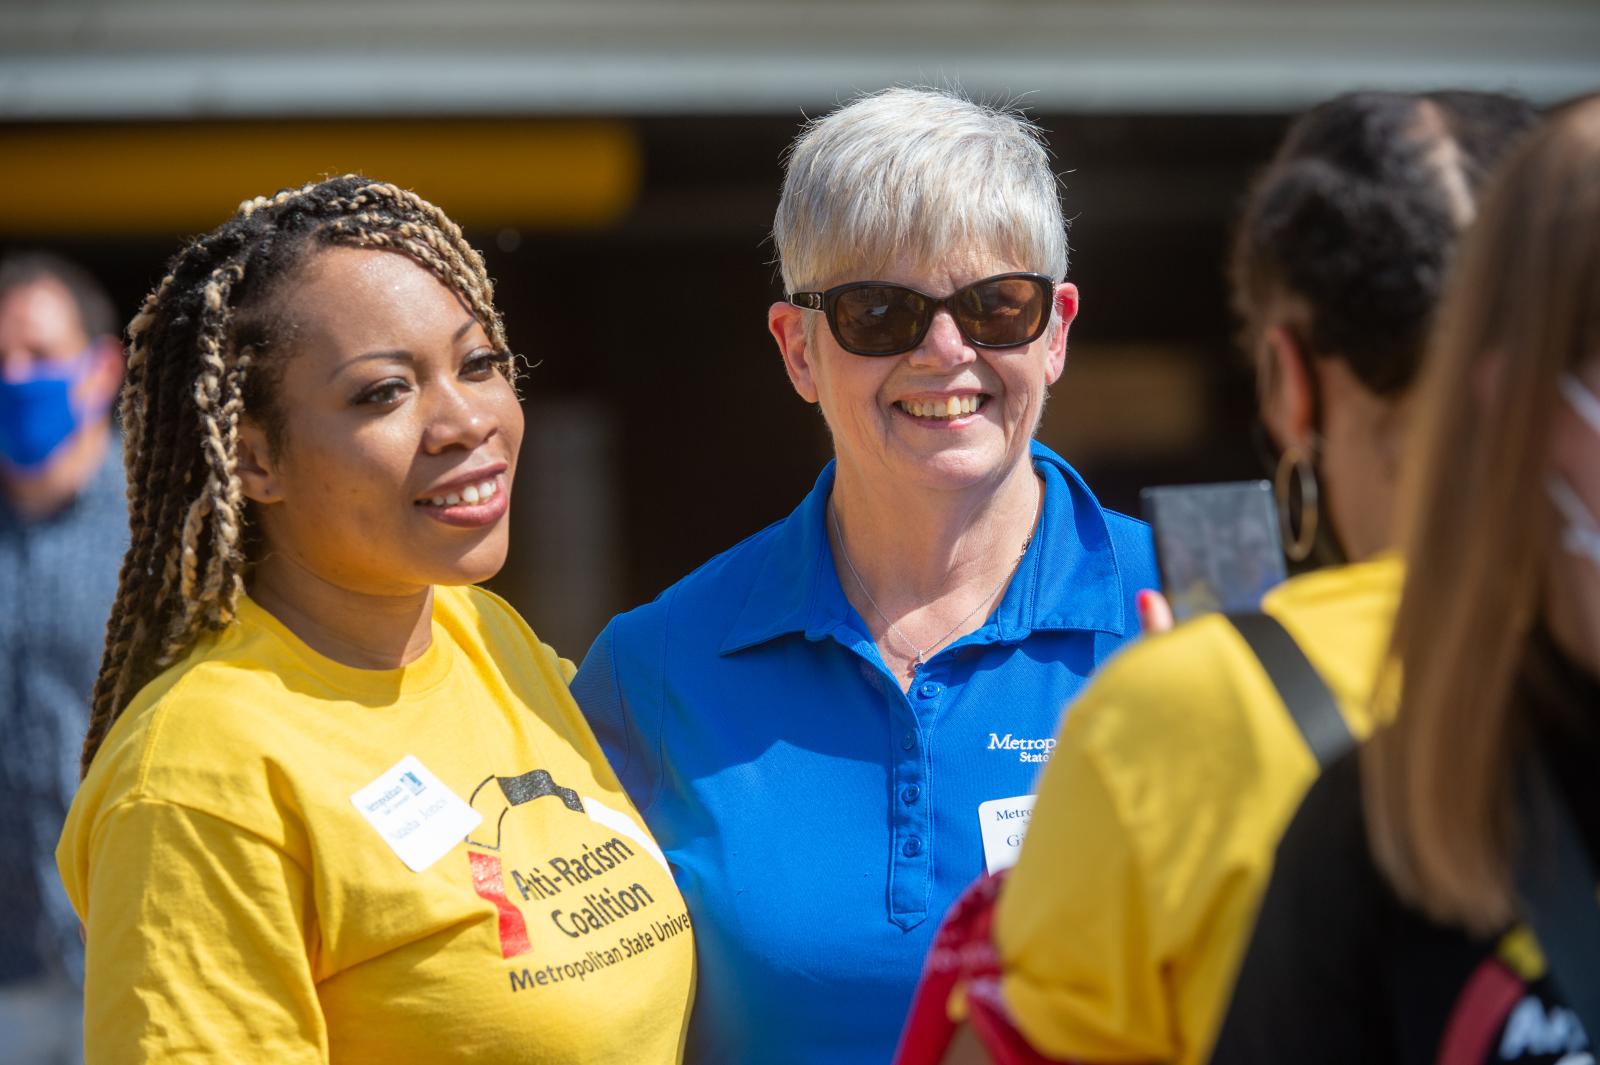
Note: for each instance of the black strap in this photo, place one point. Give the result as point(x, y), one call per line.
point(1299, 685)
point(1556, 882)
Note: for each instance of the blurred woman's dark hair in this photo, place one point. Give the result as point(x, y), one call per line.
point(1356, 216)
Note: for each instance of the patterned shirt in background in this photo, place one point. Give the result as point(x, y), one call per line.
point(58, 578)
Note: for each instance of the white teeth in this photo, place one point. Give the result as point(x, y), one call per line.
point(952, 407)
point(471, 495)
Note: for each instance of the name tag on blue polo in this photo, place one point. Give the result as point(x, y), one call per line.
point(1004, 823)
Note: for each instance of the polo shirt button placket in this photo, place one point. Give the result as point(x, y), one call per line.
point(910, 821)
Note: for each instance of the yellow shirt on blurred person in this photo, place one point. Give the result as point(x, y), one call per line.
point(1121, 928)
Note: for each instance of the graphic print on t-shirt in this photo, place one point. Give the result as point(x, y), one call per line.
point(1508, 1012)
point(590, 887)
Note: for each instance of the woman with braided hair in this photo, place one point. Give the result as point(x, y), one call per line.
point(337, 803)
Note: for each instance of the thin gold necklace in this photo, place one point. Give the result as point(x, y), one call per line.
point(920, 654)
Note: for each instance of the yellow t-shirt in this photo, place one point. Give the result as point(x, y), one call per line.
point(1123, 924)
point(239, 907)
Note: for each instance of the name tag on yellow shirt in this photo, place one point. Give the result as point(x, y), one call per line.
point(418, 817)
point(1004, 823)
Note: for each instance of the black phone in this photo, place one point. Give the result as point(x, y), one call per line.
point(1218, 545)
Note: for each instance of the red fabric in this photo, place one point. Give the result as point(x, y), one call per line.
point(489, 884)
point(963, 954)
point(1482, 1009)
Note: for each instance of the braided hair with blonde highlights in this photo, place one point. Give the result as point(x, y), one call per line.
point(205, 349)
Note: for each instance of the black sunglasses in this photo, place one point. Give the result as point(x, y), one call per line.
point(877, 318)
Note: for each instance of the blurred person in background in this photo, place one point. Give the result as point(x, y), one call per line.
point(338, 804)
point(810, 721)
point(1434, 898)
point(1119, 931)
point(63, 529)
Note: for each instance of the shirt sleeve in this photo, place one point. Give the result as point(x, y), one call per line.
point(1081, 977)
point(1122, 926)
point(617, 687)
point(199, 940)
point(568, 668)
point(1311, 986)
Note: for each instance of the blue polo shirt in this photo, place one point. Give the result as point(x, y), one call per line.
point(818, 819)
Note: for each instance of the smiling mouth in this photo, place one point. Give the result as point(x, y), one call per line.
point(471, 495)
point(943, 410)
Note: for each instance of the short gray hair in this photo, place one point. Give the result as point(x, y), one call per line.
point(919, 172)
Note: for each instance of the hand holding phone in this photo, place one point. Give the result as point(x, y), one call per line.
point(1217, 545)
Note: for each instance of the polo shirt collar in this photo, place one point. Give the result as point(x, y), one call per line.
point(1068, 580)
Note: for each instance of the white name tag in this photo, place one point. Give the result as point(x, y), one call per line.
point(417, 816)
point(1004, 823)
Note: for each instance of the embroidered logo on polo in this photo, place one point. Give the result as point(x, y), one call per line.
point(589, 894)
point(1030, 749)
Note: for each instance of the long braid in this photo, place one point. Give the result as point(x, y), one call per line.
point(201, 356)
point(133, 410)
point(146, 404)
point(218, 452)
point(224, 582)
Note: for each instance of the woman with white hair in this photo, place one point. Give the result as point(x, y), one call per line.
point(834, 726)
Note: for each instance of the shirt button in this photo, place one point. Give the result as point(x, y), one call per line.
point(930, 688)
point(909, 740)
point(911, 847)
point(911, 794)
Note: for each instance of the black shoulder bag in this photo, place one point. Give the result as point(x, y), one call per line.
point(1556, 886)
point(1299, 685)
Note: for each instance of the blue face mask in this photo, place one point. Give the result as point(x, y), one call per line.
point(37, 414)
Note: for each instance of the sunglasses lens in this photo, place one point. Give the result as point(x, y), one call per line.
point(879, 319)
point(1003, 312)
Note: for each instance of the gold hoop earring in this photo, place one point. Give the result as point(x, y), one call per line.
point(1295, 470)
